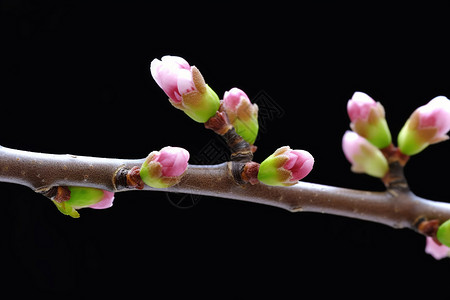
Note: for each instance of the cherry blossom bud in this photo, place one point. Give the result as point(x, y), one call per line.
point(185, 87)
point(364, 157)
point(427, 125)
point(436, 250)
point(164, 168)
point(368, 119)
point(285, 167)
point(443, 233)
point(82, 197)
point(242, 114)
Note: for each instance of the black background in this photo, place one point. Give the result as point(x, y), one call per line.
point(75, 79)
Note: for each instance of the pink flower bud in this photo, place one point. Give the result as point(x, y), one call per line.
point(368, 119)
point(185, 87)
point(173, 75)
point(427, 125)
point(436, 250)
point(435, 114)
point(164, 168)
point(285, 167)
point(300, 163)
point(233, 98)
point(174, 161)
point(242, 114)
point(364, 157)
point(81, 197)
point(359, 106)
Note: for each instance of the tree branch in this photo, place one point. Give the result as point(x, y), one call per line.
point(397, 207)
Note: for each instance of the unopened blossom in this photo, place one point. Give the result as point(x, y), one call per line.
point(285, 167)
point(82, 197)
point(427, 125)
point(242, 114)
point(364, 157)
point(368, 119)
point(185, 87)
point(164, 168)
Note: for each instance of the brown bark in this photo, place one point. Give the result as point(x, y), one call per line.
point(396, 207)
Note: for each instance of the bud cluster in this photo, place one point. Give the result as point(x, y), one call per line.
point(369, 146)
point(370, 134)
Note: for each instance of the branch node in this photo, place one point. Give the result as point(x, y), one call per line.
point(57, 193)
point(219, 123)
point(128, 178)
point(241, 151)
point(134, 179)
point(427, 227)
point(245, 172)
point(250, 173)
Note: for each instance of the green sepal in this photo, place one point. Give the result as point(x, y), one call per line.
point(248, 130)
point(80, 197)
point(66, 209)
point(443, 233)
point(201, 106)
point(84, 196)
point(370, 161)
point(376, 132)
point(151, 175)
point(379, 134)
point(271, 171)
point(409, 141)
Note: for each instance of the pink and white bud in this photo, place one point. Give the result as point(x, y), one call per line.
point(185, 87)
point(76, 197)
point(173, 75)
point(427, 125)
point(368, 119)
point(359, 106)
point(164, 168)
point(364, 157)
point(243, 115)
point(300, 163)
point(285, 167)
point(174, 161)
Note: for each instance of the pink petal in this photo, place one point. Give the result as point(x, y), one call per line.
point(185, 83)
point(177, 60)
point(106, 202)
point(174, 161)
point(435, 250)
point(233, 97)
point(351, 145)
point(166, 72)
point(293, 156)
point(436, 113)
point(358, 108)
point(303, 165)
